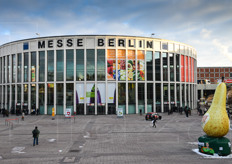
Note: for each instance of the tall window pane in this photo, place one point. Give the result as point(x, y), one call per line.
point(13, 97)
point(141, 97)
point(165, 66)
point(19, 69)
point(157, 66)
point(149, 60)
point(9, 67)
point(69, 65)
point(69, 96)
point(165, 92)
point(172, 95)
point(122, 96)
point(50, 98)
point(50, 65)
point(4, 69)
point(158, 97)
point(42, 66)
point(80, 65)
point(13, 68)
point(178, 95)
point(33, 66)
point(111, 64)
point(150, 97)
point(100, 65)
point(131, 97)
point(33, 97)
point(26, 67)
point(59, 98)
point(171, 58)
point(25, 94)
point(19, 94)
point(8, 98)
point(177, 67)
point(131, 65)
point(41, 98)
point(60, 65)
point(183, 96)
point(90, 65)
point(121, 65)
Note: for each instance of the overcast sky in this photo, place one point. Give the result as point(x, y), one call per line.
point(204, 24)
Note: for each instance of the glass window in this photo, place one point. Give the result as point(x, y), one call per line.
point(172, 92)
point(69, 65)
point(90, 65)
point(150, 97)
point(19, 69)
point(157, 66)
point(60, 65)
point(4, 69)
point(50, 65)
point(26, 67)
point(59, 98)
point(50, 98)
point(0, 69)
point(100, 65)
point(141, 97)
point(165, 66)
point(178, 94)
point(9, 67)
point(183, 96)
point(8, 98)
point(19, 94)
point(177, 67)
point(80, 65)
point(69, 96)
point(25, 95)
point(131, 97)
point(41, 65)
point(149, 60)
point(33, 66)
point(165, 92)
point(171, 58)
point(158, 97)
point(121, 93)
point(13, 68)
point(140, 65)
point(41, 98)
point(13, 96)
point(33, 96)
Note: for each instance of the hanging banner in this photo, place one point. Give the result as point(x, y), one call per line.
point(121, 64)
point(111, 62)
point(101, 93)
point(80, 97)
point(182, 68)
point(186, 69)
point(192, 70)
point(140, 65)
point(90, 93)
point(131, 65)
point(111, 93)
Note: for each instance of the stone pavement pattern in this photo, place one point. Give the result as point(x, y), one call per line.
point(103, 139)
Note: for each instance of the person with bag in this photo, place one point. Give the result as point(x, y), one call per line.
point(35, 133)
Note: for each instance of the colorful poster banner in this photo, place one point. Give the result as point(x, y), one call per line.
point(131, 65)
point(192, 70)
point(182, 68)
point(111, 62)
point(68, 113)
point(140, 65)
point(121, 64)
point(90, 93)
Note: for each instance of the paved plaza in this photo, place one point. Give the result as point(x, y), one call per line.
point(103, 139)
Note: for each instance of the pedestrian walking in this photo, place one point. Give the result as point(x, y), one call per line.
point(23, 114)
point(153, 122)
point(35, 133)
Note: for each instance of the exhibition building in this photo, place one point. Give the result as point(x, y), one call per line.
point(97, 74)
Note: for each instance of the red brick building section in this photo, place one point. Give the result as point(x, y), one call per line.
point(214, 73)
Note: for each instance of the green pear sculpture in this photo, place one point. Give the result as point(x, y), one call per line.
point(215, 122)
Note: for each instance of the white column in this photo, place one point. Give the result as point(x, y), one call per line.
point(74, 84)
point(65, 82)
point(45, 84)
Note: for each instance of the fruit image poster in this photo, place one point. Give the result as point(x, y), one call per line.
point(121, 64)
point(111, 64)
point(131, 65)
point(140, 66)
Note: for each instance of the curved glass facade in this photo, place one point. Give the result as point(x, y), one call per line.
point(97, 74)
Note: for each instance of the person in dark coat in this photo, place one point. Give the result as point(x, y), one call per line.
point(154, 121)
point(35, 133)
point(186, 111)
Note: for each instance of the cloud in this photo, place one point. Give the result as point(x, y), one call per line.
point(206, 33)
point(223, 49)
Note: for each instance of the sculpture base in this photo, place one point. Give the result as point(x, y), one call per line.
point(221, 145)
